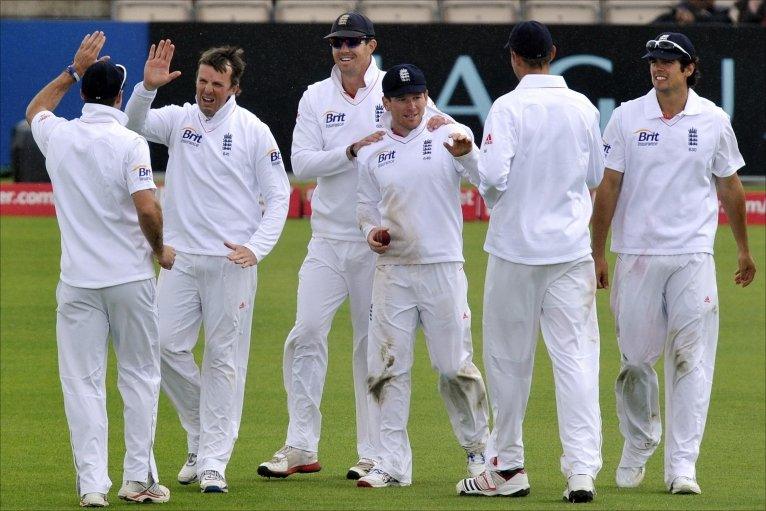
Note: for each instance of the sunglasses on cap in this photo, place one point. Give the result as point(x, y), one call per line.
point(665, 44)
point(124, 74)
point(351, 42)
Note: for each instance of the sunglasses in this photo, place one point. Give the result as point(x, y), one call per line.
point(351, 42)
point(665, 44)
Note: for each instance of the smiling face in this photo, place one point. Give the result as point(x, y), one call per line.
point(353, 61)
point(667, 75)
point(406, 111)
point(213, 89)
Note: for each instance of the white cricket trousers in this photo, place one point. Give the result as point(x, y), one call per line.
point(219, 294)
point(85, 319)
point(434, 296)
point(332, 271)
point(559, 299)
point(665, 304)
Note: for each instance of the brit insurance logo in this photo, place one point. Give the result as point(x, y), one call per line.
point(386, 158)
point(334, 119)
point(693, 139)
point(378, 114)
point(607, 147)
point(647, 137)
point(144, 172)
point(190, 136)
point(275, 156)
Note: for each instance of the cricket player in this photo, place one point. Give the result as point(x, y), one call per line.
point(336, 118)
point(540, 155)
point(110, 225)
point(222, 160)
point(670, 155)
point(409, 211)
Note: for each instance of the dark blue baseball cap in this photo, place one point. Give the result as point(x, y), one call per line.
point(531, 40)
point(352, 24)
point(103, 80)
point(670, 46)
point(403, 79)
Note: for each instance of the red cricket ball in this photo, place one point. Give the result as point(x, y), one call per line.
point(382, 237)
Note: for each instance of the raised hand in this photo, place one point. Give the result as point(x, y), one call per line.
point(88, 51)
point(157, 68)
point(458, 144)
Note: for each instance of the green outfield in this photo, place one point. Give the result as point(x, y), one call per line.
point(36, 460)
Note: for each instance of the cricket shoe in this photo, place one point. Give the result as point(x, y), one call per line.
point(377, 479)
point(629, 477)
point(580, 489)
point(684, 486)
point(476, 463)
point(188, 472)
point(361, 469)
point(491, 483)
point(149, 492)
point(289, 460)
point(93, 500)
point(211, 481)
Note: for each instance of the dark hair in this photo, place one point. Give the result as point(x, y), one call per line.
point(222, 56)
point(693, 78)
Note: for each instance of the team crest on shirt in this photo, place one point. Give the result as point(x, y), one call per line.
point(226, 147)
point(647, 137)
point(427, 149)
point(693, 139)
point(334, 119)
point(144, 172)
point(190, 136)
point(378, 114)
point(385, 158)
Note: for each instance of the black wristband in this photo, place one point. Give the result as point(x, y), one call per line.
point(351, 151)
point(73, 72)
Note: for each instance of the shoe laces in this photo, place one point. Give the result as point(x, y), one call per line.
point(282, 453)
point(211, 474)
point(191, 460)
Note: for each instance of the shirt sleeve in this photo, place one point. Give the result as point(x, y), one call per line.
point(308, 155)
point(43, 125)
point(727, 159)
point(154, 124)
point(614, 143)
point(497, 151)
point(138, 167)
point(468, 164)
point(275, 190)
point(595, 154)
point(368, 198)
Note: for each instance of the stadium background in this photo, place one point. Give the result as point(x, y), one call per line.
point(283, 58)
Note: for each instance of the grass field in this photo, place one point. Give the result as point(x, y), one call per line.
point(36, 461)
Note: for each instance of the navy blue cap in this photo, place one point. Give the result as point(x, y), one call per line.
point(352, 24)
point(531, 40)
point(403, 79)
point(103, 80)
point(670, 46)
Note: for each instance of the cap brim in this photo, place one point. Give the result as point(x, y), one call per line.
point(406, 89)
point(664, 55)
point(347, 33)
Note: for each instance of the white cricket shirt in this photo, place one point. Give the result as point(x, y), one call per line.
point(540, 153)
point(411, 185)
point(668, 202)
point(218, 169)
point(95, 164)
point(329, 120)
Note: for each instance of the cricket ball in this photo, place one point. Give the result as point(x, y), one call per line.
point(382, 237)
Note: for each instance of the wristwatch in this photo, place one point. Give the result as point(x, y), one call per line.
point(73, 72)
